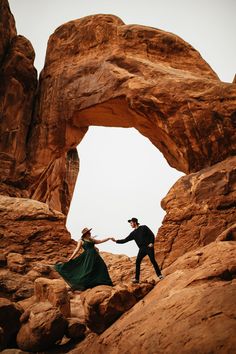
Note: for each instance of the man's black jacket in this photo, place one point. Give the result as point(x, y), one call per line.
point(142, 236)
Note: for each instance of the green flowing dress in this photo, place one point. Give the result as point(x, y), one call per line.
point(85, 271)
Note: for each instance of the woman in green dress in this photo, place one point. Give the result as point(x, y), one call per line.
point(88, 269)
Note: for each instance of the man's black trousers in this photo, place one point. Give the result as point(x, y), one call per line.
point(146, 251)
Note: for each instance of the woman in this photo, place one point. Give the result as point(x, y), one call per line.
point(88, 269)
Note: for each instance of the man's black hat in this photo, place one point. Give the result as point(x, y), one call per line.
point(134, 220)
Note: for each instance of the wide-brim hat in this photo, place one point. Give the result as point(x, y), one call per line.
point(85, 231)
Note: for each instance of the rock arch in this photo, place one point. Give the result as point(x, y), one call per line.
point(99, 71)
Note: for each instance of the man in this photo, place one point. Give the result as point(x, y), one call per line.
point(144, 239)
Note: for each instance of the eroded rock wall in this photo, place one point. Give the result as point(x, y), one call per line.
point(18, 89)
point(18, 82)
point(199, 207)
point(99, 71)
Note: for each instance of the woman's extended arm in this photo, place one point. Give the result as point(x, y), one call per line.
point(79, 244)
point(104, 240)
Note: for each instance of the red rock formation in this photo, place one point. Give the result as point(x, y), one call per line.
point(53, 291)
point(56, 184)
point(7, 28)
point(99, 71)
point(191, 311)
point(17, 91)
point(18, 83)
point(9, 322)
point(30, 234)
point(104, 304)
point(199, 207)
point(42, 326)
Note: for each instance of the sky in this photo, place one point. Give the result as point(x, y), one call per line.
point(122, 175)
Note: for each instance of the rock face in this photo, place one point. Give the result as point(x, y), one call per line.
point(99, 71)
point(28, 226)
point(17, 91)
point(32, 236)
point(200, 206)
point(191, 311)
point(18, 84)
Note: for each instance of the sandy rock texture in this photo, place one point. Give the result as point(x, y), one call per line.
point(191, 311)
point(199, 207)
point(9, 322)
point(99, 71)
point(54, 291)
point(42, 325)
point(32, 237)
point(18, 79)
point(32, 229)
point(18, 90)
point(103, 304)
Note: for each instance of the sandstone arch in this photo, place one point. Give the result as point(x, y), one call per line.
point(99, 71)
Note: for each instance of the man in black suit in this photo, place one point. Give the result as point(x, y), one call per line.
point(144, 239)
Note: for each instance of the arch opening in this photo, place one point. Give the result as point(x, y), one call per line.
point(121, 175)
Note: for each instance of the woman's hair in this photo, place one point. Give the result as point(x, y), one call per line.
point(88, 237)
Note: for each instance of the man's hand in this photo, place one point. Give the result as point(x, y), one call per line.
point(150, 245)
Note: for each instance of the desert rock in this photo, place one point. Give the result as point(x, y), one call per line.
point(199, 207)
point(54, 291)
point(42, 326)
point(99, 71)
point(191, 311)
point(9, 322)
point(104, 304)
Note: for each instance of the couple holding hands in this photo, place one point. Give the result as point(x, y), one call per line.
point(88, 269)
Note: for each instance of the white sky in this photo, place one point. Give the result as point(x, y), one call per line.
point(122, 174)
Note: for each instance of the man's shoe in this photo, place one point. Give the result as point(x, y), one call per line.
point(135, 281)
point(161, 277)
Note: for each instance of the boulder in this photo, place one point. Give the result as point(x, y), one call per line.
point(14, 285)
point(75, 329)
point(34, 231)
point(54, 291)
point(42, 326)
point(16, 262)
point(104, 304)
point(9, 322)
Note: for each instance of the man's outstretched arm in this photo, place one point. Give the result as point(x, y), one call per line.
point(124, 240)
